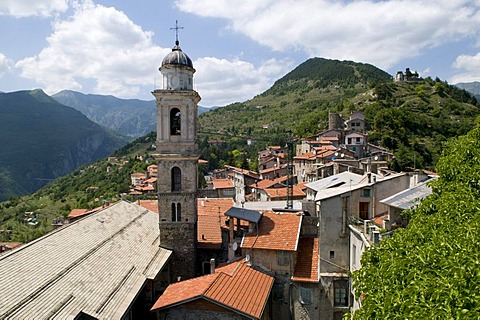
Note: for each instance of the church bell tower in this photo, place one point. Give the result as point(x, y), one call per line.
point(177, 155)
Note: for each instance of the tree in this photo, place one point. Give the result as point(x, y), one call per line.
point(431, 269)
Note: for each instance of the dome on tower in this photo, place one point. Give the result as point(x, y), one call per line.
point(177, 57)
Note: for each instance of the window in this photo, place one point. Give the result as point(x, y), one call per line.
point(332, 254)
point(354, 255)
point(305, 295)
point(364, 210)
point(176, 176)
point(357, 140)
point(278, 291)
point(175, 124)
point(366, 193)
point(340, 288)
point(176, 212)
point(349, 141)
point(283, 258)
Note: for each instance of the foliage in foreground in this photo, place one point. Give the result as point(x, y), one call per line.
point(431, 269)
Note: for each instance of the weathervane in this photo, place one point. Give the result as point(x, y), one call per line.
point(176, 28)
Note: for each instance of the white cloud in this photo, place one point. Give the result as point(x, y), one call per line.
point(221, 81)
point(378, 32)
point(5, 65)
point(97, 44)
point(470, 66)
point(26, 8)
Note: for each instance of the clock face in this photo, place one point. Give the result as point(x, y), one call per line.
point(175, 81)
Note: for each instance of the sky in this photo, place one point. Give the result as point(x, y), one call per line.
point(239, 48)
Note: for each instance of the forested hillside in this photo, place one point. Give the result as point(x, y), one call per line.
point(412, 118)
point(42, 139)
point(87, 187)
point(431, 269)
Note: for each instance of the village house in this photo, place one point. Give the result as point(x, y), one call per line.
point(242, 180)
point(233, 291)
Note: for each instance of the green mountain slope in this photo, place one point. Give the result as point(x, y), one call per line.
point(41, 140)
point(130, 117)
point(412, 118)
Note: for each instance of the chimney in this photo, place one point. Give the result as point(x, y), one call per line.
point(179, 279)
point(212, 266)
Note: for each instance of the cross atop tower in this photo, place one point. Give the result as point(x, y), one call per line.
point(176, 28)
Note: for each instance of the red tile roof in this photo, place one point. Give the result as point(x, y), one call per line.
point(236, 286)
point(276, 231)
point(77, 213)
point(273, 169)
point(306, 156)
point(214, 206)
point(280, 193)
point(211, 219)
point(222, 183)
point(306, 269)
point(151, 205)
point(266, 183)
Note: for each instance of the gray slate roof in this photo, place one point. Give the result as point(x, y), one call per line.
point(95, 265)
point(408, 198)
point(244, 214)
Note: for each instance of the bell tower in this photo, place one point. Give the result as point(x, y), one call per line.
point(177, 155)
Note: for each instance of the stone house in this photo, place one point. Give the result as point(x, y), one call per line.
point(233, 291)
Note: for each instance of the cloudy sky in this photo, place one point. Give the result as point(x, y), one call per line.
point(238, 47)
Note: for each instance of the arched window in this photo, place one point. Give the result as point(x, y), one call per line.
point(176, 179)
point(175, 124)
point(176, 212)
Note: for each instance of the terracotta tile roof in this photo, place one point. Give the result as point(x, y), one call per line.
point(77, 213)
point(209, 231)
point(214, 206)
point(151, 205)
point(275, 193)
point(306, 269)
point(236, 286)
point(275, 232)
point(151, 180)
point(282, 166)
point(306, 156)
point(138, 174)
point(222, 183)
point(380, 220)
point(266, 183)
point(246, 172)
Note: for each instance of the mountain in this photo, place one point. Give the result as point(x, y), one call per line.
point(412, 118)
point(472, 87)
point(130, 117)
point(42, 139)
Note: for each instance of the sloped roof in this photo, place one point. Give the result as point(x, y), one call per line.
point(222, 183)
point(279, 193)
point(306, 269)
point(306, 156)
point(244, 214)
point(151, 205)
point(408, 198)
point(211, 219)
point(276, 231)
point(343, 178)
point(266, 183)
point(236, 286)
point(96, 265)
